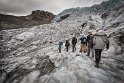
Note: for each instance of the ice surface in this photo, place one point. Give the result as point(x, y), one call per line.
point(28, 47)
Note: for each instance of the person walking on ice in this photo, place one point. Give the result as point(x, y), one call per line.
point(99, 41)
point(90, 44)
point(74, 42)
point(67, 44)
point(60, 46)
point(83, 45)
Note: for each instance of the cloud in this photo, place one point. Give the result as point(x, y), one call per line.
point(23, 7)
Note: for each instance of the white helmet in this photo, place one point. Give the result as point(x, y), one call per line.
point(97, 28)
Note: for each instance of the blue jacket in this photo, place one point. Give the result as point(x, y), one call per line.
point(60, 44)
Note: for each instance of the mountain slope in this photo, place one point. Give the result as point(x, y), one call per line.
point(36, 18)
point(95, 9)
point(31, 55)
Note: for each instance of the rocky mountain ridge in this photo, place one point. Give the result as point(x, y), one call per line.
point(105, 6)
point(35, 18)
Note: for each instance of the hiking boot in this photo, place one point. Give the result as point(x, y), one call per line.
point(87, 55)
point(80, 51)
point(97, 65)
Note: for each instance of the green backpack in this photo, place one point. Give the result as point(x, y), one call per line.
point(91, 39)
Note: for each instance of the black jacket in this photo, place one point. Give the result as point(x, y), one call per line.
point(67, 43)
point(88, 38)
point(74, 40)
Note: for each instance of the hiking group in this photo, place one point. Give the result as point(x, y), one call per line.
point(89, 43)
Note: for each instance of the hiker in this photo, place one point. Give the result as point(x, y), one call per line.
point(74, 41)
point(67, 44)
point(83, 44)
point(90, 44)
point(99, 41)
point(60, 45)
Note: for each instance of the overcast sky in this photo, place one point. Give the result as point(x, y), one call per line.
point(24, 7)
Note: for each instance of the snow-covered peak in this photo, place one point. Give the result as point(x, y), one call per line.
point(95, 9)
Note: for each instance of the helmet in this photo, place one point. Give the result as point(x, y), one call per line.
point(89, 32)
point(97, 29)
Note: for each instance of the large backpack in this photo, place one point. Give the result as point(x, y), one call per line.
point(67, 43)
point(60, 43)
point(74, 40)
point(84, 39)
point(91, 39)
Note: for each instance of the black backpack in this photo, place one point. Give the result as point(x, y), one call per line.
point(74, 40)
point(67, 43)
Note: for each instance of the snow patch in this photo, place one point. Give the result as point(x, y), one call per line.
point(25, 35)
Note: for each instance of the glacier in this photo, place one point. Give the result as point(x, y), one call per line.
point(30, 55)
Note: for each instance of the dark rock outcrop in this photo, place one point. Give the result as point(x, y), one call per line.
point(36, 18)
point(63, 17)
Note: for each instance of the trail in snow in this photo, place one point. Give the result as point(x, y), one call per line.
point(75, 68)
